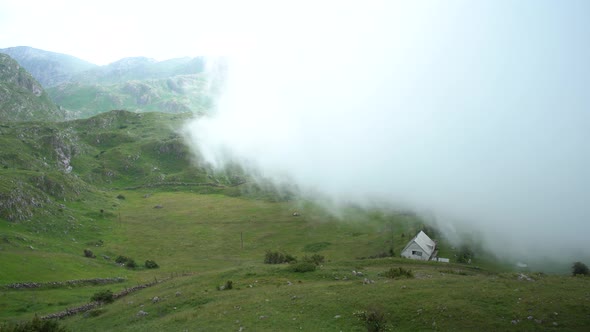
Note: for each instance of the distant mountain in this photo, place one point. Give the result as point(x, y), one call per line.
point(49, 68)
point(136, 84)
point(140, 68)
point(22, 98)
point(177, 94)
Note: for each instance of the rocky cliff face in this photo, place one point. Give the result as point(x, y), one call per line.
point(22, 98)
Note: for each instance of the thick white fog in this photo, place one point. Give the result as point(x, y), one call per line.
point(477, 113)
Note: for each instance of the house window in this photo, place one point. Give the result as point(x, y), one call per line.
point(416, 253)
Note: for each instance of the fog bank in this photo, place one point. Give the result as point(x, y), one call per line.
point(476, 113)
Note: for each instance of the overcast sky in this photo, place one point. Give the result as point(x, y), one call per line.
point(105, 31)
point(477, 111)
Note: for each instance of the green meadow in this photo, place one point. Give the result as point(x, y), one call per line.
point(134, 191)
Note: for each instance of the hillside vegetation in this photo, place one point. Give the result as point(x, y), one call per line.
point(22, 98)
point(80, 200)
point(49, 68)
point(136, 84)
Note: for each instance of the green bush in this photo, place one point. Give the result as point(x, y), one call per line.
point(374, 319)
point(131, 263)
point(151, 264)
point(579, 268)
point(127, 261)
point(465, 255)
point(315, 259)
point(105, 296)
point(35, 324)
point(275, 257)
point(88, 253)
point(227, 286)
point(399, 272)
point(303, 267)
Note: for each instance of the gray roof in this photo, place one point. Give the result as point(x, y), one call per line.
point(424, 242)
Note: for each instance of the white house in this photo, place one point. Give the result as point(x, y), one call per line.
point(420, 247)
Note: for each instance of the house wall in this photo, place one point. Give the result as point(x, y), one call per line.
point(415, 247)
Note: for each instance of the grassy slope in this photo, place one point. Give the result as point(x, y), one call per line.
point(201, 234)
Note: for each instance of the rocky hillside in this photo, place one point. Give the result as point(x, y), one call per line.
point(22, 98)
point(136, 84)
point(176, 94)
point(49, 68)
point(140, 68)
point(45, 168)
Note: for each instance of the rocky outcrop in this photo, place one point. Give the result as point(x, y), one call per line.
point(22, 98)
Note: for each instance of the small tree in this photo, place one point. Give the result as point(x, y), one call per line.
point(88, 253)
point(374, 319)
point(34, 325)
point(465, 254)
point(580, 268)
point(105, 296)
point(151, 264)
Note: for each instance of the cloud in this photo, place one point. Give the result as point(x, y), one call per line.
point(477, 114)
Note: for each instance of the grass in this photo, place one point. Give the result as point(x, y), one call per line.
point(201, 234)
point(202, 241)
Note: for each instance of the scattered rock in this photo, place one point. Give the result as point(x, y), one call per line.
point(515, 321)
point(178, 293)
point(263, 317)
point(555, 324)
point(529, 317)
point(337, 316)
point(289, 283)
point(296, 214)
point(522, 276)
point(155, 299)
point(158, 206)
point(367, 281)
point(142, 313)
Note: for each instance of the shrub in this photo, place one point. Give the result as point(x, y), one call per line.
point(303, 267)
point(131, 263)
point(120, 196)
point(151, 264)
point(399, 272)
point(465, 255)
point(579, 268)
point(35, 324)
point(373, 318)
point(127, 261)
point(228, 285)
point(105, 296)
point(275, 257)
point(314, 259)
point(121, 259)
point(88, 253)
